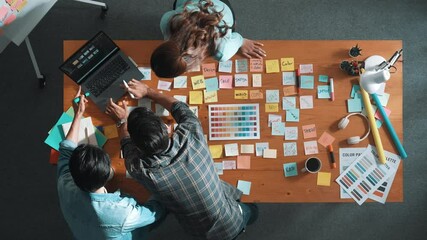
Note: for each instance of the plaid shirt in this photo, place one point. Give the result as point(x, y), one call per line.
point(183, 178)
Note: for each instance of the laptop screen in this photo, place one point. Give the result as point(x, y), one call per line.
point(89, 57)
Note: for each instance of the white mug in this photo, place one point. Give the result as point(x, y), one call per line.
point(312, 165)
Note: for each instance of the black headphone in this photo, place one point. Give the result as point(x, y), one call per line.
point(343, 124)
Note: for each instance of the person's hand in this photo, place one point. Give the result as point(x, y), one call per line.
point(252, 49)
point(137, 88)
point(79, 108)
point(115, 111)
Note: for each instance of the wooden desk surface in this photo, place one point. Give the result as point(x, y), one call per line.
point(266, 175)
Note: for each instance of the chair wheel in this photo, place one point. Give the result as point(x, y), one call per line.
point(104, 11)
point(42, 81)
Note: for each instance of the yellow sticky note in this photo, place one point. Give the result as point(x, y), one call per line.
point(196, 97)
point(324, 179)
point(198, 82)
point(272, 66)
point(110, 131)
point(216, 151)
point(271, 107)
point(210, 97)
point(287, 64)
point(241, 94)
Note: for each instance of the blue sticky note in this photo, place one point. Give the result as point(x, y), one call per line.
point(56, 135)
point(259, 148)
point(354, 89)
point(241, 65)
point(307, 82)
point(289, 103)
point(244, 186)
point(290, 169)
point(292, 115)
point(378, 122)
point(354, 105)
point(323, 78)
point(323, 92)
point(278, 128)
point(272, 96)
point(211, 84)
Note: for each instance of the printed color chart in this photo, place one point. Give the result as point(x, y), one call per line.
point(234, 121)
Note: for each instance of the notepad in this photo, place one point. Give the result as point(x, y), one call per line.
point(86, 134)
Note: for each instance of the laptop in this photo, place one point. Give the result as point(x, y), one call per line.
point(99, 66)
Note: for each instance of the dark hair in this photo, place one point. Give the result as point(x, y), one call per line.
point(147, 131)
point(166, 60)
point(90, 167)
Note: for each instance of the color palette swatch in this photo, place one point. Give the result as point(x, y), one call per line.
point(234, 122)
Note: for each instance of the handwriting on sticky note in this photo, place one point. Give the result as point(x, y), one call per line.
point(231, 149)
point(196, 97)
point(324, 179)
point(209, 70)
point(277, 128)
point(229, 164)
point(164, 85)
point(291, 133)
point(287, 64)
point(289, 103)
point(272, 96)
point(259, 148)
point(256, 65)
point(241, 94)
point(271, 107)
point(180, 82)
point(241, 80)
point(219, 168)
point(247, 148)
point(309, 131)
point(323, 78)
point(326, 139)
point(306, 68)
point(288, 78)
point(306, 102)
point(244, 186)
point(243, 162)
point(146, 72)
point(256, 94)
point(272, 66)
point(307, 82)
point(311, 148)
point(290, 169)
point(225, 81)
point(226, 66)
point(241, 65)
point(323, 92)
point(198, 82)
point(292, 115)
point(210, 97)
point(216, 151)
point(3, 13)
point(270, 153)
point(290, 149)
point(274, 118)
point(256, 80)
point(289, 91)
point(211, 84)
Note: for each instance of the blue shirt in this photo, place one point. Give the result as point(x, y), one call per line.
point(226, 46)
point(98, 215)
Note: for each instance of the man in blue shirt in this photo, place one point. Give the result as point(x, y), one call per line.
point(90, 211)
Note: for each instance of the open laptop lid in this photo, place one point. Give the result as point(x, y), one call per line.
point(89, 57)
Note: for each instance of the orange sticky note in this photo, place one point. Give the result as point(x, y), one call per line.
point(326, 139)
point(256, 94)
point(271, 107)
point(309, 131)
point(287, 64)
point(240, 94)
point(216, 151)
point(198, 82)
point(289, 90)
point(196, 97)
point(324, 179)
point(243, 162)
point(111, 131)
point(256, 65)
point(209, 70)
point(272, 66)
point(54, 156)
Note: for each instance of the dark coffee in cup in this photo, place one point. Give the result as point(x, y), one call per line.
point(312, 165)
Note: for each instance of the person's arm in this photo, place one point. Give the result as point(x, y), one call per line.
point(144, 214)
point(119, 114)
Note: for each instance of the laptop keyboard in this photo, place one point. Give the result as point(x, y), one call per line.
point(104, 78)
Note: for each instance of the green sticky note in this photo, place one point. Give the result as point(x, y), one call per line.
point(307, 82)
point(56, 135)
point(323, 92)
point(290, 169)
point(323, 78)
point(354, 105)
point(292, 115)
point(244, 186)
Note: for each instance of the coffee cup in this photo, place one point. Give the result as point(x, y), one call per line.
point(312, 165)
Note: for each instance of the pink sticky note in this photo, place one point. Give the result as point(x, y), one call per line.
point(243, 162)
point(378, 114)
point(309, 131)
point(256, 65)
point(10, 19)
point(225, 81)
point(3, 12)
point(229, 164)
point(209, 70)
point(326, 139)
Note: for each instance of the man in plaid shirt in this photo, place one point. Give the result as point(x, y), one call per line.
point(179, 170)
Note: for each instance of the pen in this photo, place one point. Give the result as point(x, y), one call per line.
point(87, 135)
point(331, 85)
point(77, 99)
point(127, 88)
point(298, 82)
point(331, 154)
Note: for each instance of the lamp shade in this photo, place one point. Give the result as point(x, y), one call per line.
point(372, 78)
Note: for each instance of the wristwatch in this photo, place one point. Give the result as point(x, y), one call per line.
point(120, 122)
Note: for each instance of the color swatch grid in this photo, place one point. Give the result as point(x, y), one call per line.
point(234, 121)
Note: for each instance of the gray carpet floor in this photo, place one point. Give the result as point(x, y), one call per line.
point(28, 200)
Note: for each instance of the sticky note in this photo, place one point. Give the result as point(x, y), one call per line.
point(379, 116)
point(241, 80)
point(219, 168)
point(373, 107)
point(146, 72)
point(241, 65)
point(209, 70)
point(225, 81)
point(3, 13)
point(384, 98)
point(323, 92)
point(278, 128)
point(256, 80)
point(110, 131)
point(288, 78)
point(256, 65)
point(290, 169)
point(196, 97)
point(306, 102)
point(161, 111)
point(180, 82)
point(355, 89)
point(287, 64)
point(9, 19)
point(243, 162)
point(241, 94)
point(310, 148)
point(274, 118)
point(291, 133)
point(21, 5)
point(290, 149)
point(289, 91)
point(244, 186)
point(269, 153)
point(247, 148)
point(198, 82)
point(256, 94)
point(144, 102)
point(272, 96)
point(324, 179)
point(272, 66)
point(210, 97)
point(216, 151)
point(326, 139)
point(231, 149)
point(229, 164)
point(195, 110)
point(307, 82)
point(211, 84)
point(226, 66)
point(323, 78)
point(289, 103)
point(354, 105)
point(309, 131)
point(271, 107)
point(164, 85)
point(306, 68)
point(292, 115)
point(181, 98)
point(259, 148)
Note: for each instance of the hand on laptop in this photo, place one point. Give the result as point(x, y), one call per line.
point(137, 88)
point(80, 107)
point(116, 112)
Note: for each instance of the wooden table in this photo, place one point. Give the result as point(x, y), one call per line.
point(266, 175)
